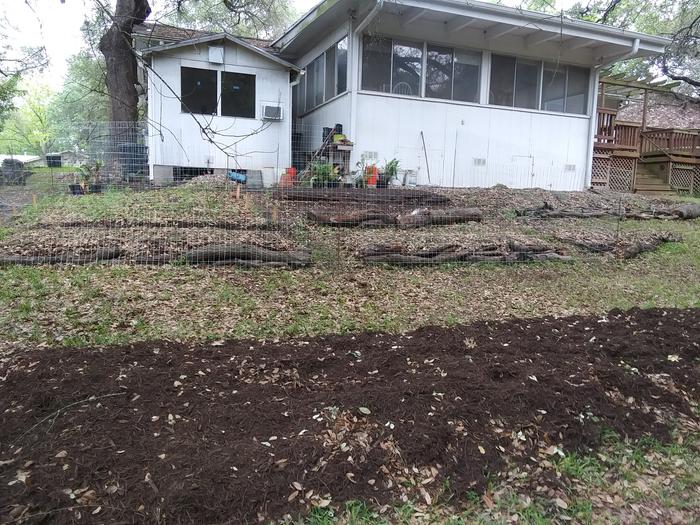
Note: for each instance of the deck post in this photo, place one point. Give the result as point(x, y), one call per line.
point(644, 109)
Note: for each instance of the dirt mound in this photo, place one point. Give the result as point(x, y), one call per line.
point(232, 432)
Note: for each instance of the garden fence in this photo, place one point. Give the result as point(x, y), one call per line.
point(92, 198)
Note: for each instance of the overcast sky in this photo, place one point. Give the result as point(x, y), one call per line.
point(57, 26)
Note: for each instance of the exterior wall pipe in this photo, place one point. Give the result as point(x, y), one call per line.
point(355, 69)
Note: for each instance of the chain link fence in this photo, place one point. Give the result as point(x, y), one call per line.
point(96, 200)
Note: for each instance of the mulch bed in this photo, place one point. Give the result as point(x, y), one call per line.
point(234, 432)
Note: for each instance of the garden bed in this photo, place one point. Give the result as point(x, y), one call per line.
point(245, 431)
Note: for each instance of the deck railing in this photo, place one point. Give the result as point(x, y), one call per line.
point(678, 141)
point(605, 132)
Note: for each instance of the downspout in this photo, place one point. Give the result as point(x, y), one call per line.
point(593, 122)
point(354, 81)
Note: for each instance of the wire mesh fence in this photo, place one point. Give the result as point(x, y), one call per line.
point(99, 201)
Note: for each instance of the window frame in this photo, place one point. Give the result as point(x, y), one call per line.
point(219, 93)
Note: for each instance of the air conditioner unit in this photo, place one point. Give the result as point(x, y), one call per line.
point(272, 112)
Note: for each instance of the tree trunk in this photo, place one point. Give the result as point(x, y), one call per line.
point(116, 46)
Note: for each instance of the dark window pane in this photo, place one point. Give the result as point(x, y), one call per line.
point(330, 73)
point(502, 80)
point(376, 64)
point(438, 74)
point(198, 91)
point(527, 79)
point(341, 62)
point(302, 94)
point(577, 90)
point(295, 101)
point(466, 76)
point(310, 79)
point(553, 87)
point(237, 95)
point(407, 67)
point(314, 83)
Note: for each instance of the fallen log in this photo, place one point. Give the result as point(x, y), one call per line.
point(245, 252)
point(427, 217)
point(634, 250)
point(358, 219)
point(106, 254)
point(687, 211)
point(397, 255)
point(415, 219)
point(401, 196)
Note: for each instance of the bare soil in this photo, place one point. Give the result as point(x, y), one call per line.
point(235, 432)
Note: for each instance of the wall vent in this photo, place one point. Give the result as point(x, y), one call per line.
point(569, 167)
point(272, 112)
point(479, 161)
point(216, 54)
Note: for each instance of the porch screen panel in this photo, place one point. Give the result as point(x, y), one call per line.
point(553, 87)
point(341, 64)
point(198, 91)
point(376, 64)
point(577, 90)
point(406, 68)
point(527, 83)
point(466, 76)
point(237, 95)
point(502, 80)
point(439, 72)
point(314, 83)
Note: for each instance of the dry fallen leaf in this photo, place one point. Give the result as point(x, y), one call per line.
point(61, 454)
point(364, 410)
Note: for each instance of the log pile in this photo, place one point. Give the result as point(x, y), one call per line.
point(246, 255)
point(415, 219)
point(492, 253)
point(686, 211)
point(404, 197)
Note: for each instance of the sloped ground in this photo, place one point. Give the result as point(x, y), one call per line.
point(242, 431)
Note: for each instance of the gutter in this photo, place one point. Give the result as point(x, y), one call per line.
point(355, 85)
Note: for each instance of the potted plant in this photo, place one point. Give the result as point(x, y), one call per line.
point(324, 175)
point(90, 178)
point(390, 172)
point(76, 188)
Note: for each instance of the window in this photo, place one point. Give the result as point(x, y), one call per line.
point(565, 89)
point(527, 83)
point(376, 64)
point(553, 87)
point(406, 68)
point(325, 78)
point(502, 80)
point(514, 82)
point(341, 66)
point(466, 76)
point(577, 90)
point(198, 91)
point(439, 72)
point(237, 95)
point(452, 74)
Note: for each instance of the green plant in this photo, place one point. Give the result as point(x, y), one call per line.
point(391, 170)
point(90, 173)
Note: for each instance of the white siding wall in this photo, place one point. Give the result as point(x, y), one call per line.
point(176, 138)
point(515, 144)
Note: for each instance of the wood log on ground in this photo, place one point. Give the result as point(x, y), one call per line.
point(393, 254)
point(687, 211)
point(369, 218)
point(427, 217)
point(245, 252)
point(640, 247)
point(106, 254)
point(417, 218)
point(402, 196)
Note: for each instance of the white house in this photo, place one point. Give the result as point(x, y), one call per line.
point(217, 102)
point(461, 93)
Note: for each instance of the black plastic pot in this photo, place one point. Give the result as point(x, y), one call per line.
point(76, 189)
point(382, 183)
point(95, 188)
